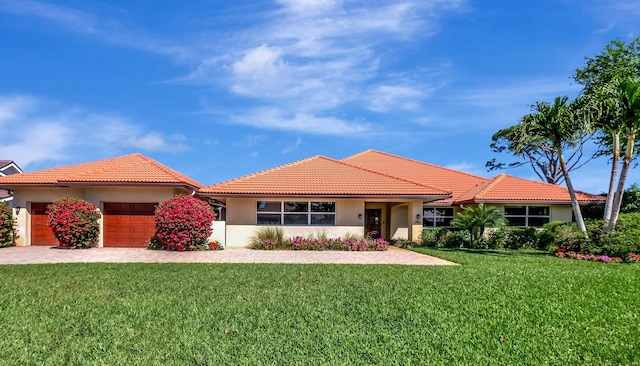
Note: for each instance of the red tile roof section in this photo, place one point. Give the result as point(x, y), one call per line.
point(127, 169)
point(507, 188)
point(320, 176)
point(417, 171)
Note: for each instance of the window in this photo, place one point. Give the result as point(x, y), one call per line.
point(437, 216)
point(527, 215)
point(300, 213)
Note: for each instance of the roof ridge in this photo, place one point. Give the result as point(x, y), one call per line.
point(264, 171)
point(488, 185)
point(415, 161)
point(102, 169)
point(392, 176)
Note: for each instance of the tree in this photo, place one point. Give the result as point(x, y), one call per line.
point(558, 123)
point(601, 78)
point(476, 219)
point(536, 152)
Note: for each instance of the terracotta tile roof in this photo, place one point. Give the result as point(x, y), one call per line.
point(322, 176)
point(128, 169)
point(507, 188)
point(420, 172)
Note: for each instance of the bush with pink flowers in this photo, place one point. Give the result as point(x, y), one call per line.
point(183, 223)
point(74, 222)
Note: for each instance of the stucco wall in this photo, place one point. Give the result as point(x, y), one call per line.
point(239, 235)
point(399, 224)
point(96, 195)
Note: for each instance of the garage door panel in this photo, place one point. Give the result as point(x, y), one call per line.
point(41, 233)
point(128, 224)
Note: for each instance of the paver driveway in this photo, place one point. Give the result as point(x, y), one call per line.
point(43, 254)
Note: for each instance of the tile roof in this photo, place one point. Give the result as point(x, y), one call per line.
point(128, 169)
point(322, 176)
point(507, 188)
point(417, 171)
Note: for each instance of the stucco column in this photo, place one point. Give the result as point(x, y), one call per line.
point(415, 220)
point(21, 228)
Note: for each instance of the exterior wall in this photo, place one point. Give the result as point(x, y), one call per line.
point(96, 195)
point(399, 223)
point(241, 219)
point(219, 232)
point(239, 235)
point(415, 218)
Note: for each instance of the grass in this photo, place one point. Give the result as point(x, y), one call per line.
point(497, 308)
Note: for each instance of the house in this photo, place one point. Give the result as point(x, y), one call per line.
point(125, 189)
point(377, 194)
point(8, 167)
point(371, 193)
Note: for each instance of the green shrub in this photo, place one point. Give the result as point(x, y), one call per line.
point(430, 236)
point(404, 243)
point(513, 237)
point(268, 237)
point(74, 222)
point(7, 226)
point(624, 240)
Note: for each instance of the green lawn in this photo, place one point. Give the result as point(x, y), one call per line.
point(497, 308)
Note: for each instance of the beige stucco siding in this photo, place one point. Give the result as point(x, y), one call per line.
point(241, 219)
point(398, 222)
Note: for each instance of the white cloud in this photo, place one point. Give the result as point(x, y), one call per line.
point(308, 6)
point(293, 147)
point(391, 97)
point(42, 130)
point(269, 118)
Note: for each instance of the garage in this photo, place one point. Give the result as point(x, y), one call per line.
point(41, 233)
point(128, 224)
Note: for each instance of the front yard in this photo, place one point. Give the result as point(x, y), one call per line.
point(497, 308)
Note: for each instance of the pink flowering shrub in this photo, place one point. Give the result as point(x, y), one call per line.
point(184, 223)
point(74, 222)
point(360, 245)
point(7, 226)
point(633, 258)
point(588, 257)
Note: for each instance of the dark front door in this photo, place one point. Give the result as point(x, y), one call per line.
point(373, 222)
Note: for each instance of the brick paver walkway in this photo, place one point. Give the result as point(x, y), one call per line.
point(43, 254)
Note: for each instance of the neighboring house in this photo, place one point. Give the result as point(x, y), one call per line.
point(8, 167)
point(377, 194)
point(126, 190)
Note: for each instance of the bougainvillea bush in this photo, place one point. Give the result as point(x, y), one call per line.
point(7, 226)
point(184, 223)
point(74, 222)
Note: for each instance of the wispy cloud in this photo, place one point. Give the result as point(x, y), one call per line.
point(293, 147)
point(42, 130)
point(102, 27)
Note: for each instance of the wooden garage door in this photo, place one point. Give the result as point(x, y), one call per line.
point(128, 224)
point(41, 233)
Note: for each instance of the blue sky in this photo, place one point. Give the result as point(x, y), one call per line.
point(219, 89)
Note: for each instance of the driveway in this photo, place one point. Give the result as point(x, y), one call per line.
point(44, 254)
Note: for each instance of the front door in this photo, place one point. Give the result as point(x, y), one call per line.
point(373, 222)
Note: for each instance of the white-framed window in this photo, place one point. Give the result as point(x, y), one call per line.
point(437, 216)
point(296, 213)
point(527, 215)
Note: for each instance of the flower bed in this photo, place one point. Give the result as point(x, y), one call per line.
point(302, 243)
point(596, 258)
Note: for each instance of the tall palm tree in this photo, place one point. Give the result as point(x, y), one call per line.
point(627, 101)
point(476, 219)
point(558, 122)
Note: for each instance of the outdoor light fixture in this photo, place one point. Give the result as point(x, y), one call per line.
point(359, 216)
point(418, 217)
point(18, 211)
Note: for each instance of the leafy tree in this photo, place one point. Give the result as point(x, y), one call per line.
point(601, 78)
point(631, 199)
point(537, 152)
point(476, 219)
point(559, 123)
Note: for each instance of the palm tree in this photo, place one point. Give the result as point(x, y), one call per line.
point(626, 100)
point(558, 122)
point(476, 219)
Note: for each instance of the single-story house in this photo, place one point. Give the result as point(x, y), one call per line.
point(8, 167)
point(377, 194)
point(371, 193)
point(125, 189)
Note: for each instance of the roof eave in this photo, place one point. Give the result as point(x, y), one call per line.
point(320, 195)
